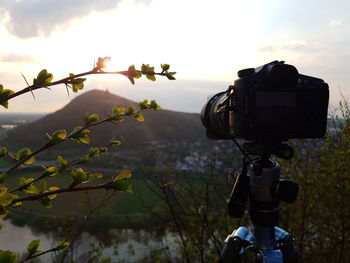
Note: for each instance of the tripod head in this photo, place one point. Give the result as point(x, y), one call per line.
point(260, 180)
point(267, 148)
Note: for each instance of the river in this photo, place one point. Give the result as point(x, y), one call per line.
point(132, 245)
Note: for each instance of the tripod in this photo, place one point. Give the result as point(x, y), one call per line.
point(260, 182)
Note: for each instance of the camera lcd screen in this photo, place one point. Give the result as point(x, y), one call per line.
point(275, 112)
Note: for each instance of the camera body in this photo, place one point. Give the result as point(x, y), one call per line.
point(269, 103)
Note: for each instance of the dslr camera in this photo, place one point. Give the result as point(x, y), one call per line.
point(270, 103)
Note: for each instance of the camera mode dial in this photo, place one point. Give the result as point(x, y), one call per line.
point(245, 72)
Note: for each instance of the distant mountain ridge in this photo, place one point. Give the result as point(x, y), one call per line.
point(163, 125)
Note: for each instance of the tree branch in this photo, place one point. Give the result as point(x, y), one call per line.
point(68, 80)
point(35, 197)
point(49, 145)
point(39, 254)
point(69, 165)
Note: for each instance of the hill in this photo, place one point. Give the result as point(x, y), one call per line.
point(160, 126)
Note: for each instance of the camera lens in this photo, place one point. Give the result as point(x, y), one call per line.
point(214, 117)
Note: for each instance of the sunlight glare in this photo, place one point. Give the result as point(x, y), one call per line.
point(111, 65)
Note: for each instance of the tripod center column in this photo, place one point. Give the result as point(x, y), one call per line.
point(264, 176)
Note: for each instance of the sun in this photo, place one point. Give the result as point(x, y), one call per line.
point(110, 64)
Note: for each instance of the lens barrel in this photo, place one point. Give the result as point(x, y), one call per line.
point(214, 117)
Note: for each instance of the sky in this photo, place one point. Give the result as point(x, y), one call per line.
point(206, 42)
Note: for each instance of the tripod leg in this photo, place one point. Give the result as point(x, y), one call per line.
point(235, 245)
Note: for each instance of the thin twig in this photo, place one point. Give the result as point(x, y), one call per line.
point(35, 197)
point(38, 255)
point(28, 85)
point(68, 80)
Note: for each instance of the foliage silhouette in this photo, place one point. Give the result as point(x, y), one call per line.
point(36, 189)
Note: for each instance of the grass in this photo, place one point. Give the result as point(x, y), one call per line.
point(79, 202)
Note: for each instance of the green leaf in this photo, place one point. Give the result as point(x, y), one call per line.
point(103, 149)
point(118, 110)
point(43, 78)
point(4, 151)
point(49, 78)
point(3, 189)
point(33, 246)
point(77, 87)
point(62, 244)
point(77, 84)
point(42, 186)
point(165, 67)
point(91, 118)
point(131, 80)
point(116, 114)
point(4, 94)
point(170, 75)
point(124, 174)
point(131, 111)
point(151, 77)
point(17, 204)
point(79, 176)
point(137, 74)
point(62, 162)
point(115, 143)
point(154, 105)
point(96, 175)
point(121, 185)
point(6, 198)
point(138, 116)
point(24, 153)
point(8, 257)
point(3, 212)
point(84, 139)
point(31, 190)
point(58, 136)
point(53, 188)
point(133, 74)
point(77, 128)
point(81, 136)
point(115, 118)
point(85, 158)
point(131, 68)
point(147, 70)
point(77, 81)
point(23, 181)
point(94, 152)
point(50, 171)
point(144, 105)
point(5, 104)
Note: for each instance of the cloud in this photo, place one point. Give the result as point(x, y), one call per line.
point(33, 18)
point(266, 49)
point(298, 46)
point(25, 58)
point(335, 22)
